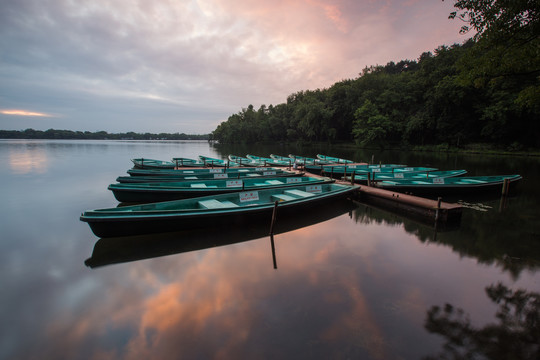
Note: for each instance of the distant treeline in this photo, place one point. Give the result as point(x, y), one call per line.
point(100, 135)
point(485, 90)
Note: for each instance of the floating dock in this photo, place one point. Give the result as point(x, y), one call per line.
point(426, 209)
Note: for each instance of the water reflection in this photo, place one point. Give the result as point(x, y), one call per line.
point(496, 242)
point(25, 161)
point(124, 249)
point(515, 336)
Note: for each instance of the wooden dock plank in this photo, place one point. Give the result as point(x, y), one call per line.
point(427, 208)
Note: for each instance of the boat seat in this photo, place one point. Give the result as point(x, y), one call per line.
point(198, 185)
point(274, 182)
point(298, 193)
point(191, 178)
point(216, 204)
point(282, 197)
point(253, 175)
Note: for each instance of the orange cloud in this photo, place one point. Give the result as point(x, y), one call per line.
point(23, 113)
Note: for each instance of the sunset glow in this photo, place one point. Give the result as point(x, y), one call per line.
point(23, 113)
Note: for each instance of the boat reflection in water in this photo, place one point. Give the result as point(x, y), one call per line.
point(112, 250)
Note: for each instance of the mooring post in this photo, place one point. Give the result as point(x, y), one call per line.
point(273, 250)
point(369, 178)
point(505, 188)
point(352, 178)
point(274, 212)
point(439, 199)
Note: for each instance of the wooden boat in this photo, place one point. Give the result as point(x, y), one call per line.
point(186, 162)
point(244, 161)
point(165, 191)
point(208, 211)
point(208, 176)
point(169, 172)
point(270, 162)
point(394, 170)
point(282, 158)
point(117, 250)
point(142, 163)
point(334, 160)
point(363, 178)
point(213, 162)
point(350, 168)
point(452, 185)
point(302, 160)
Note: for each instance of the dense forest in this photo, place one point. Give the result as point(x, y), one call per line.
point(87, 135)
point(485, 90)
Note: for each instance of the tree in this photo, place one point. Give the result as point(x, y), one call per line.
point(370, 127)
point(516, 336)
point(508, 45)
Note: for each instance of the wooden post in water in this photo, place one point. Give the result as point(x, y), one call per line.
point(274, 213)
point(369, 178)
point(439, 199)
point(273, 250)
point(506, 186)
point(352, 178)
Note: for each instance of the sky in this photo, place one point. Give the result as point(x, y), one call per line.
point(185, 66)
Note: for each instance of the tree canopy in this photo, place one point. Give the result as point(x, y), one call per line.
point(87, 135)
point(483, 90)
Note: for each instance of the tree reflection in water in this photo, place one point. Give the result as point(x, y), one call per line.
point(515, 336)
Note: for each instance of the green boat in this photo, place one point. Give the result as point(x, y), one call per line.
point(363, 178)
point(165, 191)
point(334, 160)
point(244, 161)
point(395, 170)
point(113, 250)
point(270, 162)
point(220, 170)
point(452, 185)
point(208, 176)
point(142, 163)
point(186, 162)
point(282, 158)
point(213, 162)
point(349, 169)
point(302, 160)
point(206, 211)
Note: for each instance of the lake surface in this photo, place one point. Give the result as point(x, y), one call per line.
point(345, 281)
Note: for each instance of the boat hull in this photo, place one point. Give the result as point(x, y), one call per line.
point(147, 192)
point(142, 163)
point(136, 220)
point(238, 175)
point(452, 186)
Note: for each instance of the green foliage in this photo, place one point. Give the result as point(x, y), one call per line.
point(485, 90)
point(507, 49)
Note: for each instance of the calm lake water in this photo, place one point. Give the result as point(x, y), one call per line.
point(345, 281)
